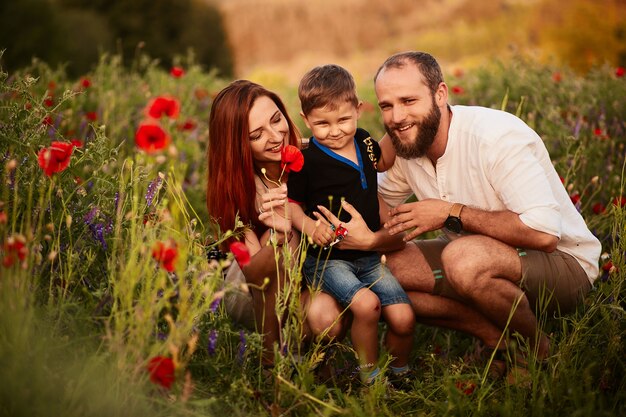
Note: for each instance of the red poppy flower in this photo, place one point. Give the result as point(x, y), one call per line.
point(77, 143)
point(607, 266)
point(557, 77)
point(166, 254)
point(177, 72)
point(14, 247)
point(189, 124)
point(466, 387)
point(619, 201)
point(3, 217)
point(55, 158)
point(52, 85)
point(291, 159)
point(163, 105)
point(598, 208)
point(619, 71)
point(47, 121)
point(85, 82)
point(575, 198)
point(151, 137)
point(161, 371)
point(458, 72)
point(241, 253)
point(458, 90)
point(91, 116)
point(48, 101)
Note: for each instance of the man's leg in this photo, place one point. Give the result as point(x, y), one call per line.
point(487, 273)
point(415, 275)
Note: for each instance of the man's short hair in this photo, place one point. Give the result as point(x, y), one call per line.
point(425, 62)
point(326, 86)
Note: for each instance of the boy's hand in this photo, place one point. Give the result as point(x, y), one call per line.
point(323, 234)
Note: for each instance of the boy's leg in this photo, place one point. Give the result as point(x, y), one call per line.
point(365, 308)
point(400, 330)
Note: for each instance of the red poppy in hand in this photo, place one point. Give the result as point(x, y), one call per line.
point(166, 254)
point(291, 159)
point(151, 137)
point(164, 105)
point(241, 253)
point(55, 158)
point(161, 371)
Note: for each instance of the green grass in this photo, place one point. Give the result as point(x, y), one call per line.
point(88, 306)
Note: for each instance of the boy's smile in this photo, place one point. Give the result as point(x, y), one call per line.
point(334, 128)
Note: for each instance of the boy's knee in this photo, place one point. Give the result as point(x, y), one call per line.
point(365, 305)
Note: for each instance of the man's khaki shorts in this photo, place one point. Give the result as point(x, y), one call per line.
point(553, 282)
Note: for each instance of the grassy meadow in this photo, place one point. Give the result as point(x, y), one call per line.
point(109, 306)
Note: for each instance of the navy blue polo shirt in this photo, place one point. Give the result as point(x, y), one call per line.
point(327, 177)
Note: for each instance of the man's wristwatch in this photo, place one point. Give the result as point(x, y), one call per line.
point(453, 223)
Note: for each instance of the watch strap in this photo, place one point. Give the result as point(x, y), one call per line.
point(455, 211)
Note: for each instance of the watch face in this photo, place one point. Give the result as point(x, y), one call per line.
point(454, 224)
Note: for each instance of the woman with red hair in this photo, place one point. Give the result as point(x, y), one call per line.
point(248, 128)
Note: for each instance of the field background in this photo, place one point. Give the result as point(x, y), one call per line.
point(86, 300)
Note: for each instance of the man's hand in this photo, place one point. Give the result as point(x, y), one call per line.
point(418, 217)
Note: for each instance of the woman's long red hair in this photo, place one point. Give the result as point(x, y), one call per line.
point(231, 191)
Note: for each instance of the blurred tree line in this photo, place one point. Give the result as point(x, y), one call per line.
point(76, 32)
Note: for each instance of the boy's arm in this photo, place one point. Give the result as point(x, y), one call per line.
point(387, 154)
point(320, 232)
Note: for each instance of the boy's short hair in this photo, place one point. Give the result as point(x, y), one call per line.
point(326, 86)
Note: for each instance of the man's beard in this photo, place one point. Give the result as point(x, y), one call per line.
point(426, 132)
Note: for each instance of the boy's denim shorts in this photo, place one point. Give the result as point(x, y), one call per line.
point(342, 279)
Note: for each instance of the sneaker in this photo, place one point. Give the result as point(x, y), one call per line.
point(403, 381)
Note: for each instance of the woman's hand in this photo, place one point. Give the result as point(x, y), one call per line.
point(274, 209)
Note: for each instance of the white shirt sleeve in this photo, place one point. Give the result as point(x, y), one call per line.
point(516, 170)
point(392, 185)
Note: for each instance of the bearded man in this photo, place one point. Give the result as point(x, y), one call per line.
point(512, 244)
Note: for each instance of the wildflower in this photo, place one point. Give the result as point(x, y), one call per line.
point(177, 72)
point(556, 77)
point(466, 387)
point(619, 72)
point(619, 201)
point(47, 121)
point(291, 159)
point(215, 304)
point(242, 346)
point(48, 101)
point(85, 82)
point(92, 116)
point(153, 187)
point(600, 134)
point(212, 343)
point(166, 253)
point(188, 124)
point(458, 90)
point(14, 247)
point(161, 371)
point(598, 208)
point(163, 105)
point(77, 143)
point(575, 198)
point(55, 158)
point(151, 137)
point(458, 72)
point(241, 253)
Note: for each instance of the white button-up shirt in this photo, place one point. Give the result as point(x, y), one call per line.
point(494, 161)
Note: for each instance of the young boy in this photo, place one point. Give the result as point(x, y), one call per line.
point(340, 163)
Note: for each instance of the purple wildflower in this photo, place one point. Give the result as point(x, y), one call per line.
point(152, 189)
point(212, 342)
point(214, 305)
point(242, 346)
